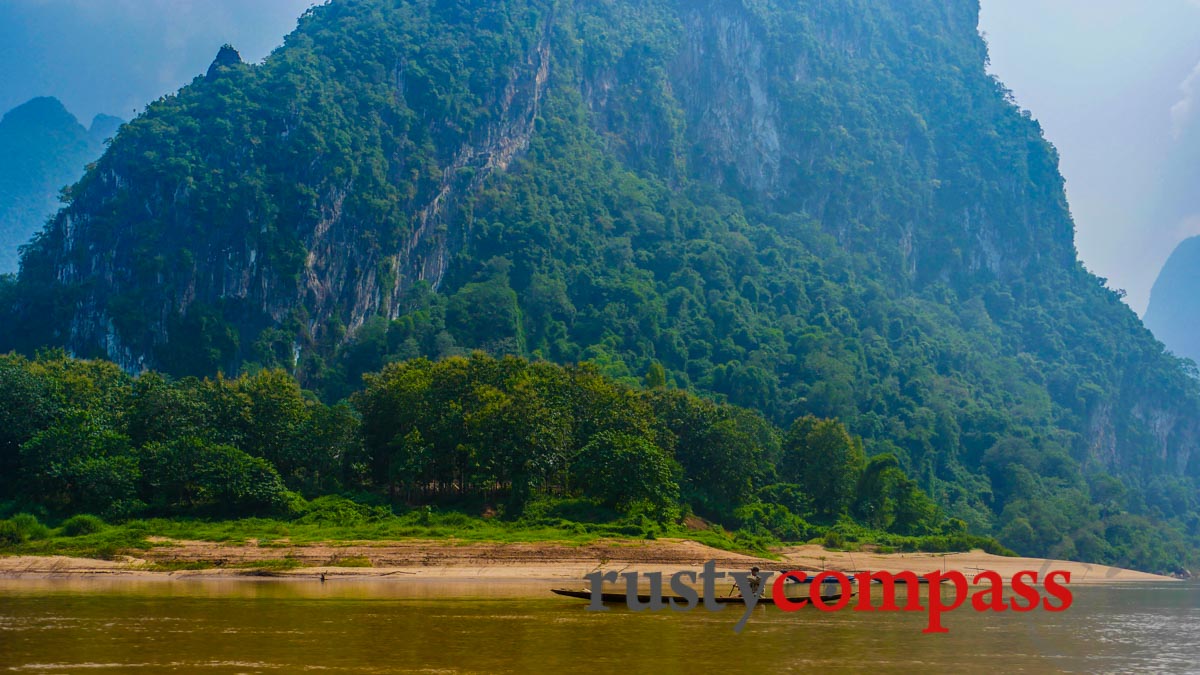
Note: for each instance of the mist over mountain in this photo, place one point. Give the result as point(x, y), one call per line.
point(114, 56)
point(43, 148)
point(827, 209)
point(1174, 311)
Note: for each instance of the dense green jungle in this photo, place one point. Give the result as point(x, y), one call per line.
point(782, 270)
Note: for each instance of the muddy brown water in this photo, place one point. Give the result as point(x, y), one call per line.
point(381, 626)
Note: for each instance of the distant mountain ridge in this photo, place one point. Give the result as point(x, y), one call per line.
point(43, 148)
point(1173, 314)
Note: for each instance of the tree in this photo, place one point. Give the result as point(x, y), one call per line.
point(821, 457)
point(486, 315)
point(279, 425)
point(622, 471)
point(656, 377)
point(161, 411)
point(876, 505)
point(396, 402)
point(191, 475)
point(522, 441)
point(26, 407)
point(78, 465)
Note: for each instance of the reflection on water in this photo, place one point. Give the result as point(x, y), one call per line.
point(230, 626)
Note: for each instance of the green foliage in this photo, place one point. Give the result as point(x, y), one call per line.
point(191, 475)
point(204, 343)
point(789, 496)
point(856, 225)
point(81, 525)
point(622, 470)
point(422, 524)
point(84, 437)
point(10, 534)
point(775, 520)
point(541, 445)
point(656, 377)
point(833, 540)
point(92, 539)
point(822, 458)
point(341, 512)
point(485, 314)
point(29, 527)
point(725, 452)
point(577, 510)
point(889, 500)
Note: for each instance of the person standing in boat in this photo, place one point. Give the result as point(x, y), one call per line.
point(755, 580)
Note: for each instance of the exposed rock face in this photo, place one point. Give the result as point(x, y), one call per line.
point(227, 57)
point(340, 275)
point(333, 270)
point(287, 203)
point(739, 85)
point(732, 111)
point(425, 255)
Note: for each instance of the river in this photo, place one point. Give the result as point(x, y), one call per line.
point(270, 626)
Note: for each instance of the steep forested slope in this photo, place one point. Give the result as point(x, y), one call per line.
point(42, 149)
point(819, 208)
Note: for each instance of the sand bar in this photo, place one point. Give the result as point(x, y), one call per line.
point(449, 560)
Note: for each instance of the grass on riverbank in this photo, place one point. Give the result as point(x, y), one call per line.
point(332, 519)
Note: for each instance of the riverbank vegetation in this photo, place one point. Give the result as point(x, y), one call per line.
point(24, 534)
point(475, 448)
point(860, 225)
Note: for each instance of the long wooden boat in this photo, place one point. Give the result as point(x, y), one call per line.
point(621, 598)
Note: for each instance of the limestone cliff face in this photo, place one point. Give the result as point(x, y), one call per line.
point(1162, 426)
point(272, 210)
point(787, 107)
point(227, 57)
point(727, 96)
point(324, 264)
point(732, 95)
point(374, 281)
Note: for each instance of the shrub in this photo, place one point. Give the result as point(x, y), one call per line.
point(339, 511)
point(10, 534)
point(990, 545)
point(77, 526)
point(455, 519)
point(834, 539)
point(571, 510)
point(190, 473)
point(29, 526)
point(772, 519)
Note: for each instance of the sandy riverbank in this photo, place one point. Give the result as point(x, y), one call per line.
point(566, 563)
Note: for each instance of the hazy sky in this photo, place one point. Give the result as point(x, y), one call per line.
point(115, 56)
point(1116, 86)
point(1115, 83)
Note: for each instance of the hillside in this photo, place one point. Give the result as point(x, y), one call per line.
point(43, 148)
point(1174, 310)
point(826, 209)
